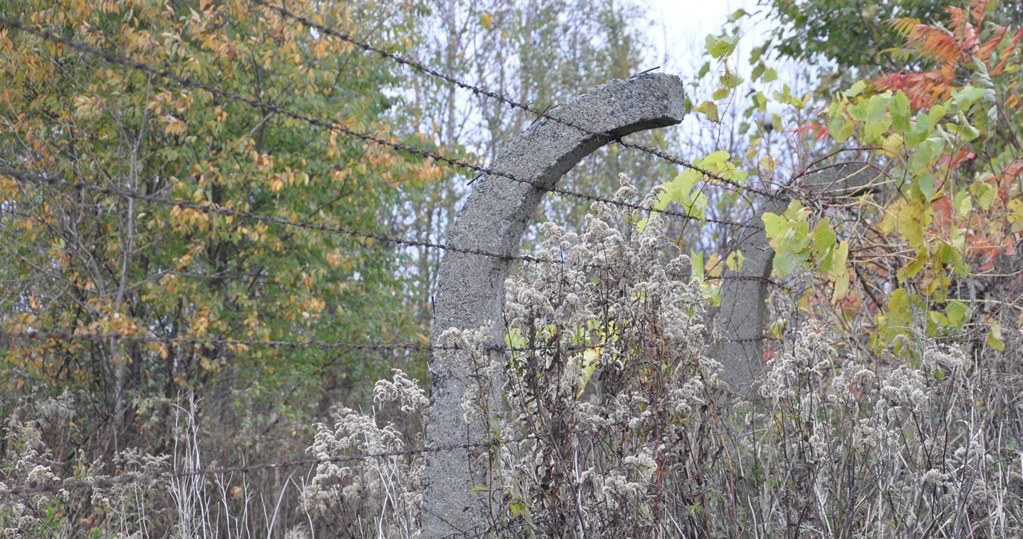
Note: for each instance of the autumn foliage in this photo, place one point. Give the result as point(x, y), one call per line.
point(952, 49)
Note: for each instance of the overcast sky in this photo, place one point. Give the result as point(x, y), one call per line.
point(679, 26)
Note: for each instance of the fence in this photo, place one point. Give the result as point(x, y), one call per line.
point(739, 293)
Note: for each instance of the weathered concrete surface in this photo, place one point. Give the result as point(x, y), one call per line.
point(470, 289)
point(742, 318)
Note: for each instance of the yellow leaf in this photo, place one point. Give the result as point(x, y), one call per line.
point(172, 125)
point(208, 365)
point(735, 261)
point(892, 145)
point(1015, 208)
point(713, 266)
point(277, 184)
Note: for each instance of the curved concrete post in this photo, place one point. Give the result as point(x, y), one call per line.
point(470, 288)
point(742, 318)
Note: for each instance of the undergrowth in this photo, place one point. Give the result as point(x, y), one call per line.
point(629, 431)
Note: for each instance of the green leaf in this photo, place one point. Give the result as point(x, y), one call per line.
point(919, 131)
point(985, 194)
point(789, 237)
point(948, 256)
point(704, 69)
point(758, 70)
point(925, 185)
point(823, 237)
point(900, 113)
point(899, 315)
point(760, 101)
point(877, 119)
point(936, 113)
point(680, 191)
point(519, 509)
point(757, 52)
point(957, 313)
point(964, 98)
point(911, 221)
point(856, 89)
point(840, 129)
point(785, 262)
point(963, 129)
point(833, 262)
point(994, 336)
point(737, 14)
point(696, 259)
point(515, 339)
point(962, 202)
point(926, 154)
point(775, 226)
point(1015, 207)
point(730, 79)
point(841, 283)
point(717, 158)
point(720, 46)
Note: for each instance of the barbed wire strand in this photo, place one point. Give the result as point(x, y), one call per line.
point(498, 96)
point(146, 338)
point(187, 82)
point(67, 336)
point(108, 481)
point(210, 208)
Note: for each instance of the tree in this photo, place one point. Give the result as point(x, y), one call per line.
point(145, 217)
point(538, 54)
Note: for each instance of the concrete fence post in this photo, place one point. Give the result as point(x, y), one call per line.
point(470, 289)
point(742, 317)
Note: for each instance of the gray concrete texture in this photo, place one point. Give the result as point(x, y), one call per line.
point(470, 289)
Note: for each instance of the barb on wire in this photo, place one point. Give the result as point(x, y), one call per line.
point(152, 478)
point(188, 82)
point(483, 92)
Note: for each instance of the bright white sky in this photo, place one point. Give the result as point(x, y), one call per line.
point(678, 28)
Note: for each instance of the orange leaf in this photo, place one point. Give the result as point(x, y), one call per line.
point(1012, 171)
point(1009, 51)
point(985, 50)
point(977, 9)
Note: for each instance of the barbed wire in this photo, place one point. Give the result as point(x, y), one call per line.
point(769, 281)
point(67, 336)
point(498, 96)
point(210, 208)
point(148, 338)
point(108, 481)
point(264, 107)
